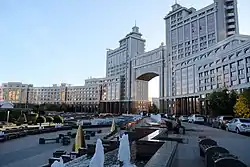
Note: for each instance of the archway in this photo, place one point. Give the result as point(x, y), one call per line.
point(147, 91)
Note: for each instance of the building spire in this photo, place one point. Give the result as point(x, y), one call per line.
point(175, 1)
point(135, 23)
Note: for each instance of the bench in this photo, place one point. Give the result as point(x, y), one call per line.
point(228, 161)
point(66, 158)
point(52, 160)
point(2, 138)
point(10, 136)
point(66, 140)
point(59, 153)
point(211, 152)
point(87, 137)
point(204, 144)
point(43, 140)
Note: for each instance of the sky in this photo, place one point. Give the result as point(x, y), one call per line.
point(44, 42)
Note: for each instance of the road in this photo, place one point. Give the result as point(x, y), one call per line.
point(188, 154)
point(26, 151)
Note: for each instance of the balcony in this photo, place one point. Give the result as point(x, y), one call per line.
point(231, 20)
point(230, 33)
point(230, 7)
point(230, 15)
point(231, 26)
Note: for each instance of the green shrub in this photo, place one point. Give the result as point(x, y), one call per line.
point(49, 119)
point(32, 117)
point(22, 119)
point(58, 119)
point(41, 120)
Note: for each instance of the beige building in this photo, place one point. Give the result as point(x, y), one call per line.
point(110, 87)
point(94, 91)
point(56, 94)
point(15, 92)
point(83, 94)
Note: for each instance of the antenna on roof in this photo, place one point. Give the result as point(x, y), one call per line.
point(175, 1)
point(135, 23)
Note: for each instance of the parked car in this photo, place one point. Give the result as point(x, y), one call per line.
point(221, 121)
point(183, 118)
point(239, 125)
point(196, 118)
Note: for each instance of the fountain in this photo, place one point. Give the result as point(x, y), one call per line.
point(58, 164)
point(98, 158)
point(124, 152)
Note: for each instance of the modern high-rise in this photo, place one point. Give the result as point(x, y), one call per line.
point(204, 51)
point(191, 31)
point(118, 63)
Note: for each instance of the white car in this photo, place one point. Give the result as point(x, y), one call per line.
point(183, 118)
point(196, 118)
point(239, 125)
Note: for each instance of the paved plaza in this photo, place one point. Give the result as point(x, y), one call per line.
point(26, 151)
point(188, 154)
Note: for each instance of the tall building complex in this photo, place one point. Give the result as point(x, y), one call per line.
point(204, 51)
point(119, 64)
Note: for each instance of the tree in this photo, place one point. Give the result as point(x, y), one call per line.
point(41, 120)
point(241, 108)
point(58, 119)
point(153, 109)
point(49, 119)
point(222, 102)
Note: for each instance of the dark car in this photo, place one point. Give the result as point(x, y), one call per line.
point(221, 121)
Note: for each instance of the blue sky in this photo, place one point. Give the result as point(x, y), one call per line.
point(53, 41)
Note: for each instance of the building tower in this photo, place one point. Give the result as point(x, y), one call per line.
point(119, 62)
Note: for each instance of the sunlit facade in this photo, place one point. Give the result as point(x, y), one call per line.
point(15, 92)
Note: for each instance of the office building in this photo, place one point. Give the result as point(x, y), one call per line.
point(204, 51)
point(89, 96)
point(55, 94)
point(119, 63)
point(15, 92)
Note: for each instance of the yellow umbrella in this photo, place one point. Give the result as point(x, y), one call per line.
point(79, 140)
